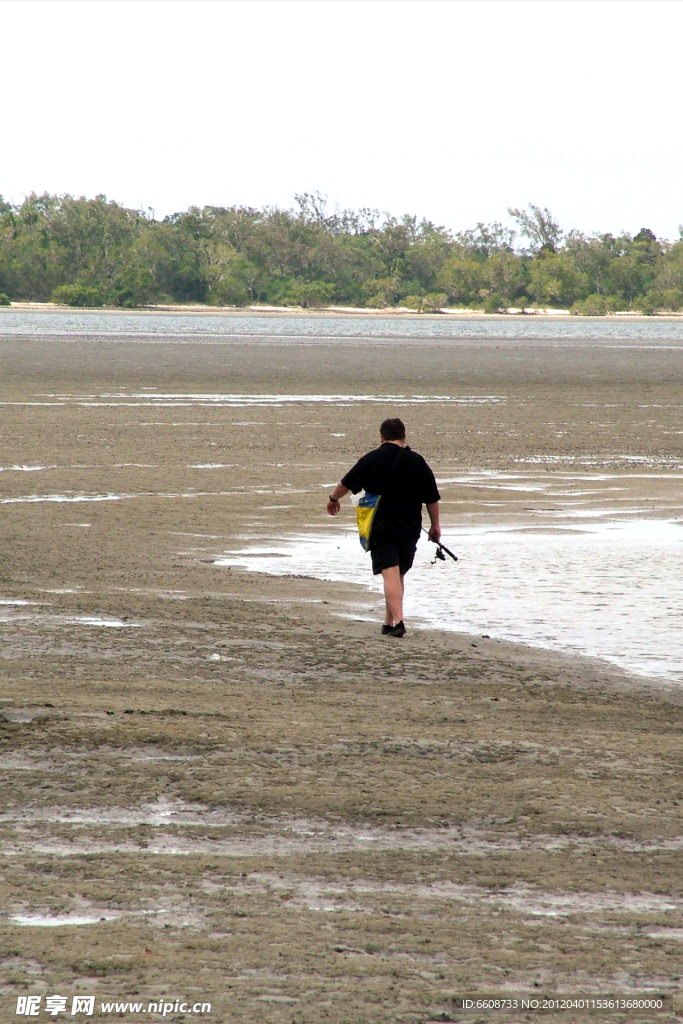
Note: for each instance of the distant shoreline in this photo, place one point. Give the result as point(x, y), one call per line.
point(331, 311)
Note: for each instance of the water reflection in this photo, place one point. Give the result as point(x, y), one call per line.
point(608, 589)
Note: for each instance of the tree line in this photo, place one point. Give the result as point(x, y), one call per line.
point(96, 252)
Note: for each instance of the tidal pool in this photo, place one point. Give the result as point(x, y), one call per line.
point(609, 589)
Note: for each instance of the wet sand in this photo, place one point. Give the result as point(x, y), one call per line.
point(272, 808)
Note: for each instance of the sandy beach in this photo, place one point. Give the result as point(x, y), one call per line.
point(243, 792)
point(390, 312)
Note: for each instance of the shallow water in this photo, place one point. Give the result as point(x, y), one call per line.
point(311, 328)
point(152, 398)
point(609, 587)
point(61, 920)
point(46, 619)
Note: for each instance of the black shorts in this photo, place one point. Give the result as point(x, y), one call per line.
point(388, 553)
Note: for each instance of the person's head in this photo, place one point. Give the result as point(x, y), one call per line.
point(393, 430)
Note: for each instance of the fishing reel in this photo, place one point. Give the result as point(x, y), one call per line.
point(441, 551)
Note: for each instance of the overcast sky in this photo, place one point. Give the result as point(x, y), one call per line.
point(449, 110)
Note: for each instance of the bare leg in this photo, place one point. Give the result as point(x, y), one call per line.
point(393, 595)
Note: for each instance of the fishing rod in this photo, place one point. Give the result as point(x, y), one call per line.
point(440, 548)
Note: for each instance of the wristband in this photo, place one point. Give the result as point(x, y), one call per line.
point(334, 500)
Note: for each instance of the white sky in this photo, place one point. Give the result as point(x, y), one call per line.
point(450, 110)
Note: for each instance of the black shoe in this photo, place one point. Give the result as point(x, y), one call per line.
point(399, 630)
point(386, 629)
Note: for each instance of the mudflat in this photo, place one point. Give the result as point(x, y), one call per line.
point(222, 787)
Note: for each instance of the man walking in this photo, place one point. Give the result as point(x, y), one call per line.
point(405, 483)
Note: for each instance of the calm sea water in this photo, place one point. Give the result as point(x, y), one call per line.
point(436, 330)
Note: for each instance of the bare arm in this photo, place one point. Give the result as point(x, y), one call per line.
point(333, 506)
point(434, 529)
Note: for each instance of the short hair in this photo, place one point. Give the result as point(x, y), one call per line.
point(393, 430)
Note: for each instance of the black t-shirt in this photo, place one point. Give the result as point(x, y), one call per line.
point(404, 491)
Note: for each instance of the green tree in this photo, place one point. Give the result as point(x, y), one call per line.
point(179, 262)
point(29, 260)
point(465, 281)
point(555, 280)
point(433, 302)
point(539, 227)
point(483, 241)
point(77, 294)
point(382, 292)
point(82, 250)
point(667, 286)
point(313, 294)
point(230, 277)
point(134, 285)
point(506, 276)
point(592, 257)
point(595, 305)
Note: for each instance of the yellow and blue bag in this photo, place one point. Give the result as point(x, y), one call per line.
point(366, 510)
point(367, 505)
